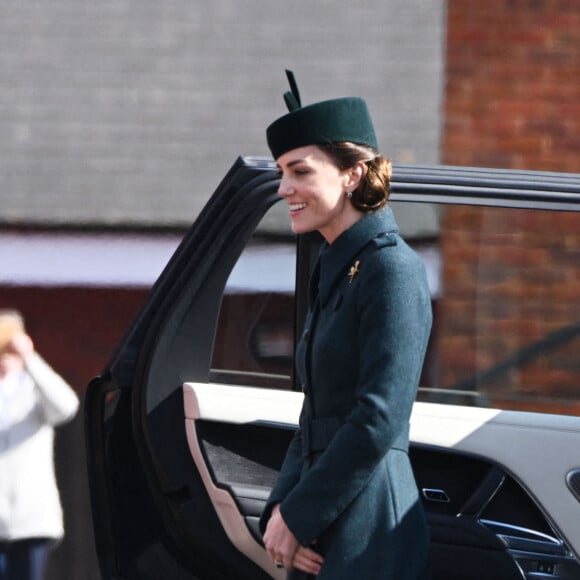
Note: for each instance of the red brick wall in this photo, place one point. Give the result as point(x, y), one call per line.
point(512, 101)
point(75, 329)
point(512, 87)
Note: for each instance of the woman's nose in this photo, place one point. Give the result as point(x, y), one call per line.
point(285, 188)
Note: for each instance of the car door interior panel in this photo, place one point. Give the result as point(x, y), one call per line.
point(484, 521)
point(236, 474)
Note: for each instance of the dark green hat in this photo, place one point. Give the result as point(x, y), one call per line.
point(334, 121)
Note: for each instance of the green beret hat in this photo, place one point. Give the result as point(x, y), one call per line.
point(334, 121)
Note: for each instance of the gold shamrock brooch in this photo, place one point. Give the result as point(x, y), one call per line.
point(353, 271)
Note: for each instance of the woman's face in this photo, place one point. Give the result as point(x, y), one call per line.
point(315, 190)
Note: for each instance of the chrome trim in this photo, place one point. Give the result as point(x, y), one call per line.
point(574, 486)
point(503, 529)
point(435, 495)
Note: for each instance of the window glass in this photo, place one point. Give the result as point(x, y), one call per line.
point(504, 284)
point(254, 342)
point(506, 328)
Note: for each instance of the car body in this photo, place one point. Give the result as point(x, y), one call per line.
point(188, 424)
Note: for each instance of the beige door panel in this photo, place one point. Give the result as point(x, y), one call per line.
point(235, 405)
point(539, 450)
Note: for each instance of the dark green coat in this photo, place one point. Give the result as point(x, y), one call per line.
point(346, 480)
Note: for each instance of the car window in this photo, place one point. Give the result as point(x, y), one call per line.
point(254, 341)
point(506, 328)
point(504, 285)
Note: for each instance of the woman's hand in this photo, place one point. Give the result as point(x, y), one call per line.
point(282, 546)
point(280, 542)
point(307, 560)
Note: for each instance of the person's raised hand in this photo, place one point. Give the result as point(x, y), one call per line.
point(21, 344)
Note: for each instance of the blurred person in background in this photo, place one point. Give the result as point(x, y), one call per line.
point(33, 400)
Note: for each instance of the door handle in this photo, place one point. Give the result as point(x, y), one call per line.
point(435, 495)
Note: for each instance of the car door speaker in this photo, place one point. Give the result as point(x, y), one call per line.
point(573, 481)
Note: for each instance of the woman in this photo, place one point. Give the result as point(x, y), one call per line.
point(33, 399)
point(346, 504)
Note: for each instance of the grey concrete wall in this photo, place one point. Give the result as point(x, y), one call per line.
point(130, 111)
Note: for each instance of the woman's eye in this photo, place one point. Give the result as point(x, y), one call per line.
point(302, 171)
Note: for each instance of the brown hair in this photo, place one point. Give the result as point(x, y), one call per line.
point(373, 191)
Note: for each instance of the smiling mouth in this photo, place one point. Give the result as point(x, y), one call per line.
point(296, 207)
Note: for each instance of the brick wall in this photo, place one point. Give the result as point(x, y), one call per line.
point(513, 89)
point(75, 329)
point(513, 101)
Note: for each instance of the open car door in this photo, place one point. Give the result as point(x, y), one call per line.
point(188, 425)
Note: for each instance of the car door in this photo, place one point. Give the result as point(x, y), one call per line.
point(188, 424)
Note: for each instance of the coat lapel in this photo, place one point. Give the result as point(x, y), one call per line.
point(337, 259)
